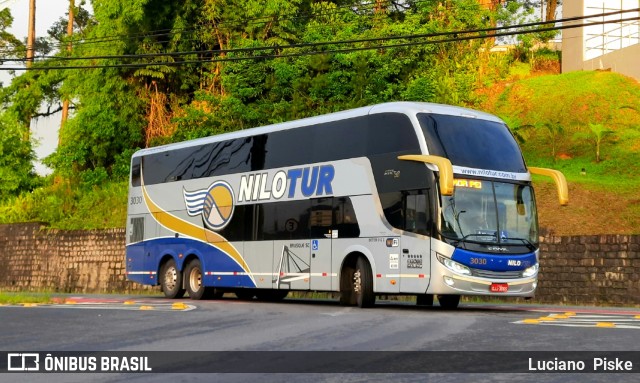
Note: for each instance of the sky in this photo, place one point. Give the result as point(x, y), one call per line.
point(45, 130)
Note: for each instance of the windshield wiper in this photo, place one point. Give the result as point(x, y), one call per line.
point(526, 242)
point(478, 235)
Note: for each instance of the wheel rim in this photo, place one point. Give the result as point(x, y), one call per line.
point(170, 278)
point(357, 282)
point(195, 279)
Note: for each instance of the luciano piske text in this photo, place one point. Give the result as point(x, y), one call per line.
point(590, 365)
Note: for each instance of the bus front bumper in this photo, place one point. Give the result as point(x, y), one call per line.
point(445, 281)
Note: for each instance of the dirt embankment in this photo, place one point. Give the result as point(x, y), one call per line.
point(590, 211)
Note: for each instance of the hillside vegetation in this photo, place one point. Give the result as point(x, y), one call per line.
point(147, 75)
point(563, 122)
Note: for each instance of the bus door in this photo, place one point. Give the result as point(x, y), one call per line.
point(291, 265)
point(138, 264)
point(415, 244)
point(321, 223)
point(288, 225)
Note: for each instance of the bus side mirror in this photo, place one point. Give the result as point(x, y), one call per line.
point(444, 167)
point(560, 181)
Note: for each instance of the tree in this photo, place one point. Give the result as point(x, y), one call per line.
point(554, 132)
point(10, 46)
point(517, 128)
point(551, 7)
point(121, 109)
point(600, 132)
point(16, 156)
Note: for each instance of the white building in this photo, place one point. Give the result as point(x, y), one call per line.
point(612, 46)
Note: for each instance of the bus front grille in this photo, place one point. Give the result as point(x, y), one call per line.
point(496, 274)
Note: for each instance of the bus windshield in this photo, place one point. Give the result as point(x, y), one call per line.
point(490, 212)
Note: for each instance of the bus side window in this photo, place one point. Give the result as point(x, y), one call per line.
point(344, 217)
point(417, 214)
point(392, 205)
point(285, 220)
point(135, 171)
point(238, 229)
point(407, 210)
point(321, 220)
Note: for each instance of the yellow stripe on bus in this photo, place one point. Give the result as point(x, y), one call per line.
point(181, 226)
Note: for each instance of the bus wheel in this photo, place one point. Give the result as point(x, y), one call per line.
point(271, 295)
point(449, 302)
point(193, 274)
point(347, 296)
point(363, 283)
point(424, 300)
point(171, 280)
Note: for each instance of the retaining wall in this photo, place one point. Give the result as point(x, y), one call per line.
point(574, 270)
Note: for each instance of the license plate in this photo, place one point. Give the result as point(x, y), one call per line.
point(499, 288)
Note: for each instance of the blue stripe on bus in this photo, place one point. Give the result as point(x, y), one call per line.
point(211, 259)
point(494, 262)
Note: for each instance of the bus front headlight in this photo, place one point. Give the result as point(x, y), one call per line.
point(531, 271)
point(453, 265)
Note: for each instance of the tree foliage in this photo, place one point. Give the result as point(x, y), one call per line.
point(16, 169)
point(10, 46)
point(219, 84)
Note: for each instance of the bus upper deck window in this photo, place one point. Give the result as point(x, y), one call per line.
point(135, 172)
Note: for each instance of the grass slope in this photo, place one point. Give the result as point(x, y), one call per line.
point(554, 115)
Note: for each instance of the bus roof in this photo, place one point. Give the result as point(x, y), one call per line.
point(408, 108)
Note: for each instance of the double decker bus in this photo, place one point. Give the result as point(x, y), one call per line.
point(397, 198)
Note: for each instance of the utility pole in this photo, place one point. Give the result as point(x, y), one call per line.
point(65, 103)
point(31, 36)
point(552, 6)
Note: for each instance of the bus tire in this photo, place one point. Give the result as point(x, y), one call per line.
point(449, 302)
point(347, 297)
point(363, 283)
point(193, 281)
point(171, 280)
point(424, 300)
point(271, 295)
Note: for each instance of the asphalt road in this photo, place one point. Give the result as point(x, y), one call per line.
point(119, 323)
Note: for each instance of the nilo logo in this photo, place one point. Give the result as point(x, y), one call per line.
point(314, 180)
point(216, 204)
point(513, 262)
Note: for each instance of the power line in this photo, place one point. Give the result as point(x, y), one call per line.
point(318, 44)
point(367, 6)
point(256, 20)
point(228, 24)
point(335, 51)
point(351, 41)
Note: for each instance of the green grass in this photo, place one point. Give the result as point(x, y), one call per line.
point(20, 298)
point(556, 117)
point(602, 176)
point(519, 69)
point(566, 105)
point(69, 207)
